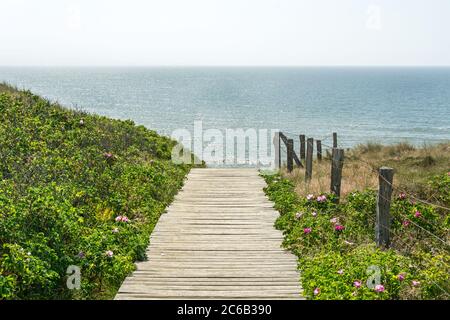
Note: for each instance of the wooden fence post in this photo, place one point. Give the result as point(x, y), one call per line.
point(383, 223)
point(290, 155)
point(319, 150)
point(334, 140)
point(302, 147)
point(309, 157)
point(337, 162)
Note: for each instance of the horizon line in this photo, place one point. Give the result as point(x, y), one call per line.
point(224, 66)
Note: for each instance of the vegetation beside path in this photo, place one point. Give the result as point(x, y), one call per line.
point(335, 243)
point(76, 189)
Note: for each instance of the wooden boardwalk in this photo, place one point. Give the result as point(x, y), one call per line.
point(216, 241)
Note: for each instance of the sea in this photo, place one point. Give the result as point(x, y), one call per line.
point(361, 104)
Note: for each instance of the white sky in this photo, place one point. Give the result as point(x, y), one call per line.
point(224, 32)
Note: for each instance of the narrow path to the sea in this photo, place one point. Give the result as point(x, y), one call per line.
point(216, 241)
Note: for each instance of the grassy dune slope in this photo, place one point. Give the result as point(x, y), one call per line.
point(335, 243)
point(76, 189)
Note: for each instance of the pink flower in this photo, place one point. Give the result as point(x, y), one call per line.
point(415, 283)
point(321, 198)
point(338, 227)
point(314, 213)
point(402, 195)
point(109, 253)
point(307, 230)
point(122, 219)
point(379, 288)
point(334, 220)
point(309, 197)
point(417, 214)
point(357, 284)
point(406, 223)
point(115, 230)
point(341, 271)
point(108, 155)
point(316, 291)
point(401, 277)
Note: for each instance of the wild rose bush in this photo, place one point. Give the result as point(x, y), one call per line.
point(65, 178)
point(336, 251)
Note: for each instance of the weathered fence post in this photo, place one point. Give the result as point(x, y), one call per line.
point(290, 155)
point(383, 223)
point(334, 140)
point(337, 162)
point(309, 157)
point(302, 147)
point(319, 150)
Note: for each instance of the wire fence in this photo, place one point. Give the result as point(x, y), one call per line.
point(434, 242)
point(326, 155)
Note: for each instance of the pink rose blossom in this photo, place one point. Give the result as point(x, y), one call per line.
point(406, 223)
point(109, 253)
point(307, 230)
point(357, 284)
point(321, 198)
point(402, 195)
point(401, 277)
point(108, 155)
point(379, 288)
point(417, 214)
point(122, 219)
point(415, 283)
point(339, 227)
point(316, 291)
point(309, 197)
point(314, 213)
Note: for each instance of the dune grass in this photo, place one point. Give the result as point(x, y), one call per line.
point(335, 242)
point(413, 166)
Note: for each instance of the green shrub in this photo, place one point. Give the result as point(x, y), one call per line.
point(335, 244)
point(65, 177)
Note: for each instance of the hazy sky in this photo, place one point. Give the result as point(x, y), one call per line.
point(224, 32)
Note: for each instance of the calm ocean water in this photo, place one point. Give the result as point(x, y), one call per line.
point(361, 104)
